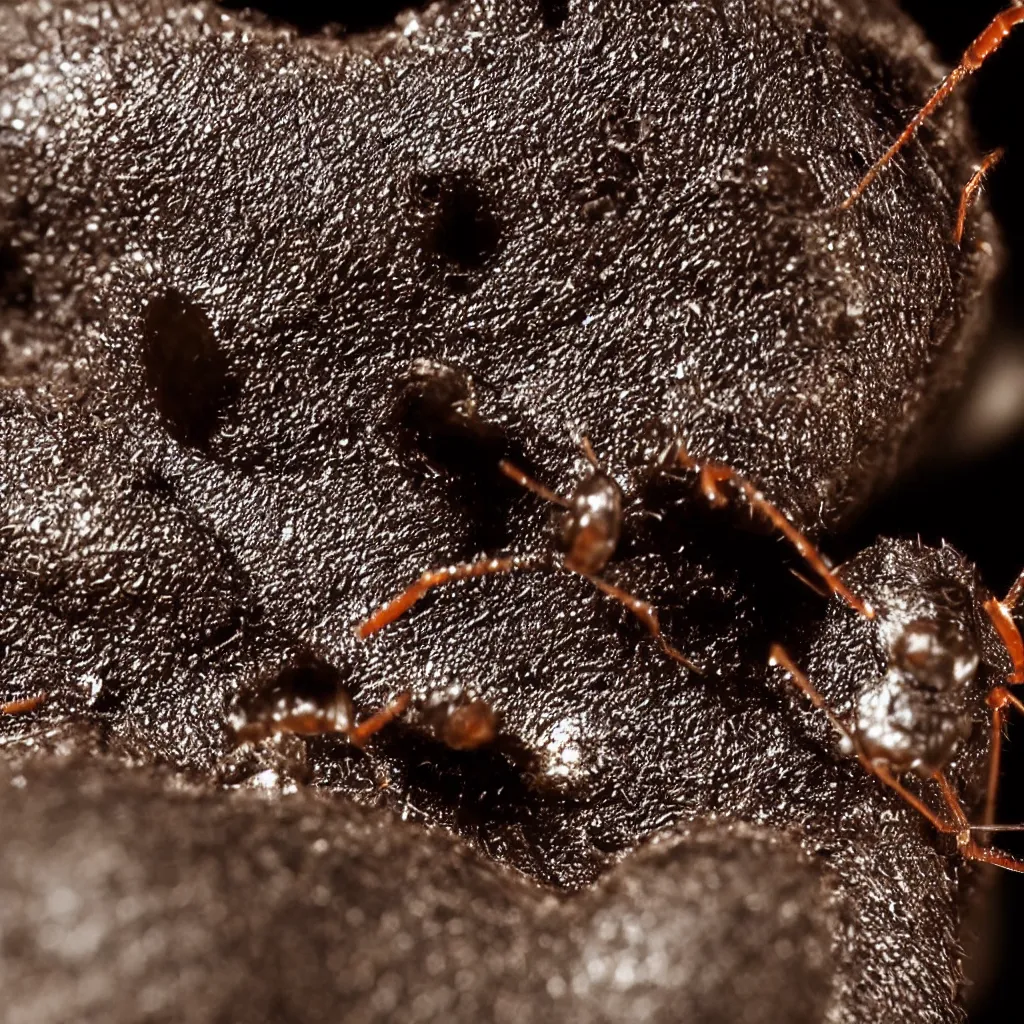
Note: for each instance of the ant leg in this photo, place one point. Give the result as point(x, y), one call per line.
point(971, 190)
point(977, 53)
point(999, 613)
point(398, 606)
point(359, 734)
point(995, 757)
point(714, 474)
point(647, 615)
point(589, 453)
point(513, 472)
point(999, 697)
point(24, 705)
point(779, 656)
point(1014, 593)
point(969, 847)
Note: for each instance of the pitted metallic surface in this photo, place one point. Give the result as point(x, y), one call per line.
point(227, 252)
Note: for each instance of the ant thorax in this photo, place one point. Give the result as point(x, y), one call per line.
point(591, 525)
point(911, 674)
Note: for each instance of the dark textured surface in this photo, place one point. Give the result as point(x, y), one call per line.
point(222, 250)
point(298, 908)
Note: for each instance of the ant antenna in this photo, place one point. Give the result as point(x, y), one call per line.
point(714, 474)
point(970, 191)
point(976, 54)
point(961, 827)
point(23, 705)
point(359, 734)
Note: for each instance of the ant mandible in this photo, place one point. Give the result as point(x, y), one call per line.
point(925, 617)
point(986, 44)
point(589, 534)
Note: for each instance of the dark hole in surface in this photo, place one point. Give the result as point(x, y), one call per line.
point(435, 418)
point(461, 226)
point(15, 283)
point(185, 370)
point(310, 17)
point(554, 12)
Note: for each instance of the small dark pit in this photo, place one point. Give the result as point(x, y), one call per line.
point(554, 12)
point(16, 290)
point(185, 370)
point(460, 225)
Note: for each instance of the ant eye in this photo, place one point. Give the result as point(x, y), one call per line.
point(937, 656)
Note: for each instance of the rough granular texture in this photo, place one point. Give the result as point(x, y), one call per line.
point(271, 309)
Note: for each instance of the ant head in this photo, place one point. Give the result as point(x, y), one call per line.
point(592, 523)
point(305, 697)
point(926, 641)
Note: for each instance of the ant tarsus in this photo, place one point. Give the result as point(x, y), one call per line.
point(986, 44)
point(589, 534)
point(970, 191)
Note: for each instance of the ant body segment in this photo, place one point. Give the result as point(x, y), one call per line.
point(591, 524)
point(307, 699)
point(928, 623)
point(983, 47)
point(23, 705)
point(460, 724)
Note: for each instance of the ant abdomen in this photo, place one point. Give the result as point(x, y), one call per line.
point(305, 698)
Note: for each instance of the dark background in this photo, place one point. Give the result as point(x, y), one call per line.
point(966, 488)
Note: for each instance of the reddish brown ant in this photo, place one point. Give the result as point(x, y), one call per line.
point(986, 44)
point(307, 699)
point(589, 534)
point(925, 621)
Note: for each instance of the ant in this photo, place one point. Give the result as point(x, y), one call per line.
point(589, 533)
point(306, 698)
point(926, 621)
point(986, 44)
